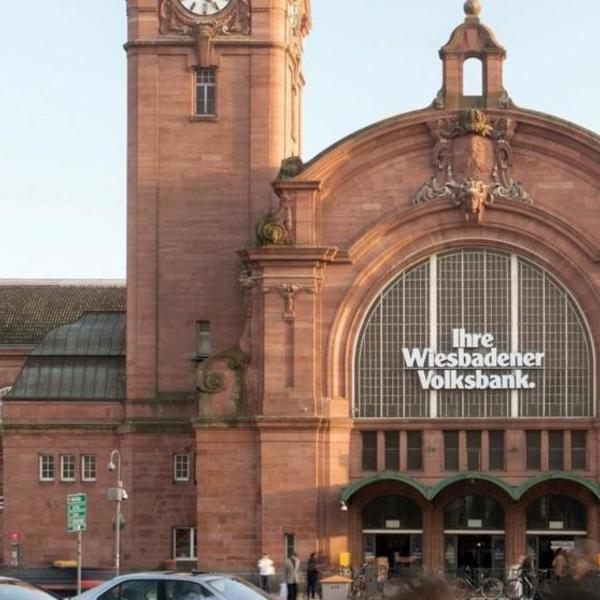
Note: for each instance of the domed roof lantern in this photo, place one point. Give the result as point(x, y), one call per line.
point(473, 39)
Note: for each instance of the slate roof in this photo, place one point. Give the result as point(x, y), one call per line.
point(30, 309)
point(83, 360)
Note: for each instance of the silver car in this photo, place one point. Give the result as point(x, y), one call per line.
point(175, 586)
point(15, 589)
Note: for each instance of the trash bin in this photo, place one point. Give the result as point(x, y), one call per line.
point(336, 587)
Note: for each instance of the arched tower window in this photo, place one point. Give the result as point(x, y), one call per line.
point(472, 77)
point(536, 359)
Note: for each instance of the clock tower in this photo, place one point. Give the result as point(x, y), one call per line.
point(214, 107)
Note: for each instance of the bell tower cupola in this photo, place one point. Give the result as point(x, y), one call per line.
point(473, 40)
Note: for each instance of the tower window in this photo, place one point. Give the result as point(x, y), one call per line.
point(203, 342)
point(206, 92)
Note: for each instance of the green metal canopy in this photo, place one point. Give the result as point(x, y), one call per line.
point(430, 492)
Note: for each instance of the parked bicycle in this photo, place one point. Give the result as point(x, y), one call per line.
point(528, 586)
point(468, 585)
point(364, 585)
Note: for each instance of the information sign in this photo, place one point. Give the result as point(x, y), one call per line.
point(76, 512)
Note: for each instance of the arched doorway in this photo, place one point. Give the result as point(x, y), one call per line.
point(392, 528)
point(554, 521)
point(474, 533)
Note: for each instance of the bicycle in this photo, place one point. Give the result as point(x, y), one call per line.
point(528, 587)
point(467, 586)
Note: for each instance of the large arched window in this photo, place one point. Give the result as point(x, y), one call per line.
point(474, 512)
point(556, 513)
point(474, 333)
point(403, 513)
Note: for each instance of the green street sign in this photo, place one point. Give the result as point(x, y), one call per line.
point(76, 512)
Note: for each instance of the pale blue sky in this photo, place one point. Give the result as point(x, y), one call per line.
point(62, 103)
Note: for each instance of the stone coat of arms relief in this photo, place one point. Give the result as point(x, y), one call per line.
point(472, 164)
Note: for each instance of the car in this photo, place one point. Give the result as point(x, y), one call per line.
point(16, 589)
point(175, 586)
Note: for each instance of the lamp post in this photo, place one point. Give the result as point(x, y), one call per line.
point(117, 495)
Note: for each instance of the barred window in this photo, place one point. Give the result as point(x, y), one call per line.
point(206, 92)
point(88, 467)
point(67, 467)
point(480, 291)
point(181, 467)
point(46, 467)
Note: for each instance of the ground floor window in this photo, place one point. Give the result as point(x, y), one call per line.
point(184, 542)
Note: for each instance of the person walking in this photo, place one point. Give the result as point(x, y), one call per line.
point(292, 575)
point(266, 570)
point(312, 576)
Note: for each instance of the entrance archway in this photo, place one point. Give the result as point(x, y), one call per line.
point(474, 533)
point(554, 522)
point(392, 528)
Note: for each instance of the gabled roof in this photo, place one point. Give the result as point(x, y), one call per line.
point(30, 309)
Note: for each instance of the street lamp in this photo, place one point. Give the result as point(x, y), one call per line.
point(117, 495)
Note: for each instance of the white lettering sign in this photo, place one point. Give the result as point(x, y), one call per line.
point(443, 371)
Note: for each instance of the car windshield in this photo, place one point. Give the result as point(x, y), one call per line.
point(236, 589)
point(19, 590)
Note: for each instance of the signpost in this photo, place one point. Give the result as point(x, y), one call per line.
point(77, 522)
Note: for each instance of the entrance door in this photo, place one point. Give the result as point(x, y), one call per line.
point(400, 549)
point(478, 552)
point(542, 547)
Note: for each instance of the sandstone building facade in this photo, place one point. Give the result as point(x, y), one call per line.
point(389, 350)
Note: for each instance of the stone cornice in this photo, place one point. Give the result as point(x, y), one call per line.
point(184, 42)
point(288, 254)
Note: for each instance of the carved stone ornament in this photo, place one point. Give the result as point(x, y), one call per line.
point(290, 167)
point(472, 163)
point(288, 292)
point(220, 384)
point(234, 20)
point(275, 229)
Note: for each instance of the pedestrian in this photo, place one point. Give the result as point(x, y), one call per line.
point(266, 570)
point(312, 576)
point(559, 564)
point(292, 575)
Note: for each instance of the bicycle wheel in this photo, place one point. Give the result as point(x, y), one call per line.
point(545, 589)
point(514, 589)
point(464, 590)
point(492, 588)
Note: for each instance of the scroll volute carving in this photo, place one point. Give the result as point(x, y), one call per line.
point(221, 386)
point(472, 164)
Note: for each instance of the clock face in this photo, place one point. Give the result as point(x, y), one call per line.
point(205, 7)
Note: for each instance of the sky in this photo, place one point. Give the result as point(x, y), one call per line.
point(63, 103)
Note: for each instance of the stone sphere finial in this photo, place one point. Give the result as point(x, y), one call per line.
point(473, 8)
